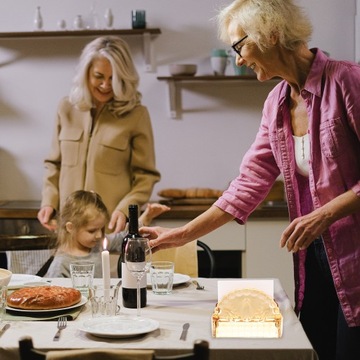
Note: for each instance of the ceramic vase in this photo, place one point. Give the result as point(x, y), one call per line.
point(109, 18)
point(38, 21)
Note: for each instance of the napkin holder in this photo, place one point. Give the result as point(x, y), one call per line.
point(248, 313)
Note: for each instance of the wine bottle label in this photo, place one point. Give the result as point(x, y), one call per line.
point(128, 280)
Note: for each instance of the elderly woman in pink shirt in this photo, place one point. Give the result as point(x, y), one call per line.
point(309, 133)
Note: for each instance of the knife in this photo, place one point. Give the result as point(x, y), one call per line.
point(184, 331)
point(5, 327)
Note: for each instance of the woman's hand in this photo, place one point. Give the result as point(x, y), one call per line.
point(305, 229)
point(162, 238)
point(45, 215)
point(117, 221)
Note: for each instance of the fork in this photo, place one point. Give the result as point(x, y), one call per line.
point(62, 322)
point(198, 286)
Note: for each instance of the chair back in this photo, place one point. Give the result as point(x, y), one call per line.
point(28, 352)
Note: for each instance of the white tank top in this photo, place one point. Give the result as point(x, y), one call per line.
point(302, 154)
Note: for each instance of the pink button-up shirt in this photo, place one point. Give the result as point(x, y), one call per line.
point(332, 97)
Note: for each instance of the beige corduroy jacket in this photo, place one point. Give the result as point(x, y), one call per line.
point(116, 159)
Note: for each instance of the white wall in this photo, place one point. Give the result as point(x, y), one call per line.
point(204, 148)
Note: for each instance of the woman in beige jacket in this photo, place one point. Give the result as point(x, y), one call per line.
point(103, 139)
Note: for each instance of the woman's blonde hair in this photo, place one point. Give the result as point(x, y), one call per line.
point(125, 78)
point(80, 208)
point(260, 19)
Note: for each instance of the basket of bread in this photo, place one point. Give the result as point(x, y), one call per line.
point(191, 196)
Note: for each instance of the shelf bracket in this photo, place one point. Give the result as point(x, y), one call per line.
point(174, 99)
point(148, 53)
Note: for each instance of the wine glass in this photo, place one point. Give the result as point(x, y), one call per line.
point(138, 261)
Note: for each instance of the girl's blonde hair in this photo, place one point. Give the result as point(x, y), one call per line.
point(260, 19)
point(80, 208)
point(125, 78)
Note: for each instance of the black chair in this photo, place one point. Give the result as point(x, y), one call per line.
point(27, 351)
point(210, 267)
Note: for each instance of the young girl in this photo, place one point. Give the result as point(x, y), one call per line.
point(81, 230)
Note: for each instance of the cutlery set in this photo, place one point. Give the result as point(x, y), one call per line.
point(184, 331)
point(4, 328)
point(61, 325)
point(198, 286)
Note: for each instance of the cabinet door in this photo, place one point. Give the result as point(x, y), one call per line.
point(264, 258)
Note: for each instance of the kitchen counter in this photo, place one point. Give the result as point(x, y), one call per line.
point(29, 209)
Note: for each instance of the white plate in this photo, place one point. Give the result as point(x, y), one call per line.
point(178, 279)
point(82, 302)
point(119, 326)
point(18, 281)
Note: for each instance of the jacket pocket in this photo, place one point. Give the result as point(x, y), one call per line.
point(332, 137)
point(113, 155)
point(70, 146)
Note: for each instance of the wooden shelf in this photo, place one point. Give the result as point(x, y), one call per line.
point(208, 78)
point(175, 81)
point(76, 33)
point(145, 33)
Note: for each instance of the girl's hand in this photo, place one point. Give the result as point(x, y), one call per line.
point(118, 220)
point(45, 215)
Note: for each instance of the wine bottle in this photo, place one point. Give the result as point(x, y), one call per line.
point(128, 280)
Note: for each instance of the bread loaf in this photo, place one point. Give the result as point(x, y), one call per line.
point(190, 193)
point(43, 298)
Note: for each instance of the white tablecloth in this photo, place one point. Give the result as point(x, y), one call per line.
point(185, 304)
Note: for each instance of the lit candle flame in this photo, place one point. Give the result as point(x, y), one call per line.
point(105, 243)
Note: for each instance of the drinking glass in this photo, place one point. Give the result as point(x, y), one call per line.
point(138, 261)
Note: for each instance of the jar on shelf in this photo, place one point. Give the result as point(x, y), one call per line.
point(78, 23)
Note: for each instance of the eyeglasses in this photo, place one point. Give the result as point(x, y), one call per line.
point(237, 47)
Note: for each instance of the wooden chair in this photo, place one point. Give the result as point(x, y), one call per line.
point(186, 259)
point(27, 351)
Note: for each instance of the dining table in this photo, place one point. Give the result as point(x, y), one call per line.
point(186, 304)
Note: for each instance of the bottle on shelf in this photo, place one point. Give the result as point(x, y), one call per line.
point(78, 23)
point(128, 280)
point(109, 18)
point(92, 20)
point(38, 20)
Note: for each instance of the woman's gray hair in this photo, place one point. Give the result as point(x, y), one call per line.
point(260, 19)
point(125, 78)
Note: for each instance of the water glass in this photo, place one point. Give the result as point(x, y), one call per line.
point(3, 295)
point(104, 303)
point(162, 277)
point(82, 276)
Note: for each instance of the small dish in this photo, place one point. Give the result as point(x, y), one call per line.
point(182, 69)
point(22, 280)
point(5, 277)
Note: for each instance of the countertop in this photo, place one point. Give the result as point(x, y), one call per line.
point(28, 210)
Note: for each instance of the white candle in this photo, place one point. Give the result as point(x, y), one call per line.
point(106, 270)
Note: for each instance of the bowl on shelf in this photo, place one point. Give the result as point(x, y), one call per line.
point(182, 69)
point(5, 276)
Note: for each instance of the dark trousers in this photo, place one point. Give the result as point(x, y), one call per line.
point(321, 315)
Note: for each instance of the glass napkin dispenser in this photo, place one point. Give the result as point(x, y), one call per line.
point(247, 313)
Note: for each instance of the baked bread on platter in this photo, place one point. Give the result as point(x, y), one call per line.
point(190, 193)
point(43, 298)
